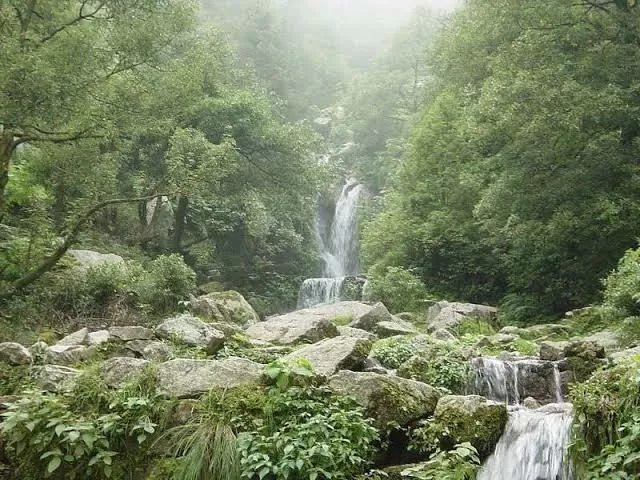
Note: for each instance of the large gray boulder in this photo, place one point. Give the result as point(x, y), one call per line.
point(153, 351)
point(76, 338)
point(98, 338)
point(392, 329)
point(120, 370)
point(309, 325)
point(385, 397)
point(333, 354)
point(368, 320)
point(67, 354)
point(191, 331)
point(127, 334)
point(451, 314)
point(185, 378)
point(472, 419)
point(228, 307)
point(88, 258)
point(55, 378)
point(346, 331)
point(552, 351)
point(15, 354)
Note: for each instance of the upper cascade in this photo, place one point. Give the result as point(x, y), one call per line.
point(337, 239)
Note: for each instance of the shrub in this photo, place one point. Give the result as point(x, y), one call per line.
point(399, 289)
point(460, 463)
point(393, 352)
point(168, 281)
point(622, 286)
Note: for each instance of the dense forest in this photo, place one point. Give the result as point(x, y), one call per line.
point(169, 174)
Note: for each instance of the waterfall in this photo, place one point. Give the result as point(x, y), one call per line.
point(532, 446)
point(339, 253)
point(511, 381)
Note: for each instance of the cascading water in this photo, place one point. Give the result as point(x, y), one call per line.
point(532, 446)
point(339, 254)
point(534, 442)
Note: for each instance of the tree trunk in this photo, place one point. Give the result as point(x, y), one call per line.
point(180, 223)
point(7, 146)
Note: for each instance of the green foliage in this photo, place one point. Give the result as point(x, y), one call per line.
point(439, 368)
point(460, 463)
point(342, 320)
point(168, 281)
point(393, 352)
point(622, 286)
point(399, 289)
point(14, 380)
point(474, 327)
point(310, 434)
point(606, 424)
point(284, 374)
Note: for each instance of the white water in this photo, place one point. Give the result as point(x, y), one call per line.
point(532, 446)
point(340, 254)
point(502, 380)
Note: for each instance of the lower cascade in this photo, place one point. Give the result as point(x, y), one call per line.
point(532, 446)
point(318, 291)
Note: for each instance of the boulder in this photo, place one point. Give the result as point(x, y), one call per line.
point(156, 352)
point(391, 329)
point(472, 419)
point(184, 378)
point(451, 314)
point(552, 351)
point(368, 320)
point(227, 307)
point(624, 355)
point(309, 325)
point(191, 331)
point(584, 358)
point(346, 331)
point(373, 365)
point(38, 351)
point(544, 331)
point(531, 403)
point(333, 354)
point(127, 334)
point(15, 354)
point(67, 354)
point(444, 335)
point(99, 337)
point(385, 397)
point(120, 370)
point(76, 338)
point(606, 339)
point(55, 378)
point(88, 258)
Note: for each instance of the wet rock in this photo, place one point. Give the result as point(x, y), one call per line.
point(372, 318)
point(15, 354)
point(385, 397)
point(76, 338)
point(333, 354)
point(55, 378)
point(119, 370)
point(531, 403)
point(191, 331)
point(357, 333)
point(226, 307)
point(184, 378)
point(472, 419)
point(127, 334)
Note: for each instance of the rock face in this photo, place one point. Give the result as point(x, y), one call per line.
point(119, 370)
point(127, 334)
point(333, 354)
point(184, 378)
point(191, 331)
point(99, 337)
point(451, 314)
point(67, 354)
point(309, 325)
point(385, 397)
point(228, 307)
point(55, 378)
point(552, 351)
point(374, 316)
point(583, 358)
point(15, 354)
point(472, 419)
point(391, 329)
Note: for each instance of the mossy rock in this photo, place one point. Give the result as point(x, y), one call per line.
point(387, 399)
point(229, 307)
point(472, 419)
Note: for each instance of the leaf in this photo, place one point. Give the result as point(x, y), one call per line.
point(54, 464)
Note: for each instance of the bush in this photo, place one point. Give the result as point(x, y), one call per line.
point(622, 286)
point(168, 281)
point(399, 289)
point(393, 352)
